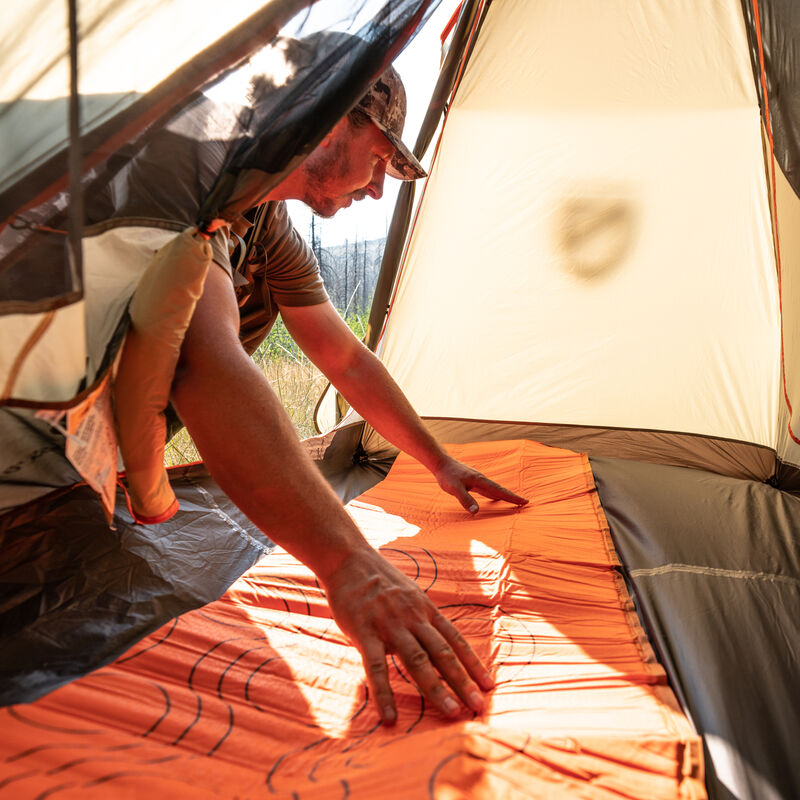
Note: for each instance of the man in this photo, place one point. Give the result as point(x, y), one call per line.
point(250, 446)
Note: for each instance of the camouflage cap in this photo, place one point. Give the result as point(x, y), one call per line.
point(385, 105)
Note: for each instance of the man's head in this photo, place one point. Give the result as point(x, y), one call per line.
point(385, 105)
point(350, 163)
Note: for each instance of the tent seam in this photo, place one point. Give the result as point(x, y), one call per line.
point(719, 572)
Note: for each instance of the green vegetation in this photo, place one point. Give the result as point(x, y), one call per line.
point(296, 381)
point(279, 344)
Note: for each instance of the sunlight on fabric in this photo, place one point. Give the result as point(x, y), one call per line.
point(36, 62)
point(43, 357)
point(272, 62)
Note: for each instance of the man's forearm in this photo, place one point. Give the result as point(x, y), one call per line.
point(370, 389)
point(251, 449)
point(248, 441)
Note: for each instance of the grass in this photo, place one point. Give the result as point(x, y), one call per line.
point(296, 381)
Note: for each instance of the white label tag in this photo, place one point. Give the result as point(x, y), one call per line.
point(92, 443)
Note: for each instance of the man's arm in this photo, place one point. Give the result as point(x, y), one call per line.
point(366, 384)
point(251, 449)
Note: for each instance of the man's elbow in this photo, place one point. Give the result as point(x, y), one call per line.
point(359, 368)
point(201, 368)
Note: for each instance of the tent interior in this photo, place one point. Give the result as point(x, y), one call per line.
point(594, 300)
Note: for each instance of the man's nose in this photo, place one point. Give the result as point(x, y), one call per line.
point(375, 187)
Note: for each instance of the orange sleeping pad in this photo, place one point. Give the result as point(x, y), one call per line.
point(259, 695)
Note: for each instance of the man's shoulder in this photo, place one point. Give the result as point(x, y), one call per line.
point(282, 253)
point(277, 220)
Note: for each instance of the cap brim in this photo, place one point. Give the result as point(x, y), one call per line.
point(403, 165)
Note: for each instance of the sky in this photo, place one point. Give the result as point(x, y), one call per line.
point(418, 66)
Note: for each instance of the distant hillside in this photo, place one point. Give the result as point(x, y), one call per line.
point(350, 271)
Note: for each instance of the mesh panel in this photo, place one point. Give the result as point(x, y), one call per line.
point(215, 134)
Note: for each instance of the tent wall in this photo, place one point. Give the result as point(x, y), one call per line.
point(620, 270)
point(787, 222)
point(51, 353)
point(773, 33)
point(773, 30)
point(465, 25)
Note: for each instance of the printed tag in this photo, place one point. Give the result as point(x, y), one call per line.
point(92, 443)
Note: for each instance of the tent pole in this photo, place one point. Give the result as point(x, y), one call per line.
point(401, 218)
point(74, 159)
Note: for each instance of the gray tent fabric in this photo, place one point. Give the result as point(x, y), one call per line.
point(345, 464)
point(773, 31)
point(75, 594)
point(715, 566)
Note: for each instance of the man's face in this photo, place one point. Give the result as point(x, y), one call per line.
point(350, 164)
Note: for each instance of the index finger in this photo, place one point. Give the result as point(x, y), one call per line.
point(374, 657)
point(419, 655)
point(466, 655)
point(439, 644)
point(494, 491)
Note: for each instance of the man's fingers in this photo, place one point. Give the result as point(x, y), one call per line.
point(433, 652)
point(383, 611)
point(374, 658)
point(488, 488)
point(459, 479)
point(464, 497)
point(465, 654)
point(451, 661)
point(417, 661)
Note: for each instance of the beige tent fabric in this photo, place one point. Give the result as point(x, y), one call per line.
point(48, 360)
point(606, 162)
point(70, 347)
point(73, 344)
point(113, 263)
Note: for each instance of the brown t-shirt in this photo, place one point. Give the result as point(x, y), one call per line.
point(281, 271)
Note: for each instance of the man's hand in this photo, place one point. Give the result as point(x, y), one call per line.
point(384, 612)
point(458, 479)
